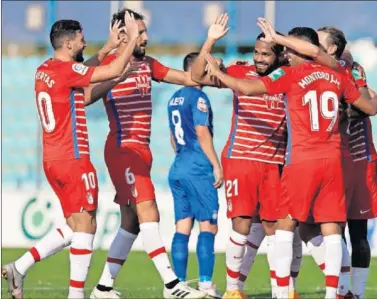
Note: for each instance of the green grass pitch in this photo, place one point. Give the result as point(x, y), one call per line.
point(139, 279)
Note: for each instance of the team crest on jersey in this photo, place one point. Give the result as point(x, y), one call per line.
point(276, 74)
point(201, 105)
point(80, 68)
point(230, 207)
point(134, 191)
point(89, 198)
point(142, 83)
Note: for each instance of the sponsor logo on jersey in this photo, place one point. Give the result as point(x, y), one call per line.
point(276, 74)
point(201, 105)
point(80, 68)
point(356, 75)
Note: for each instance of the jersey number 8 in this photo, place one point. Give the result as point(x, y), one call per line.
point(311, 98)
point(177, 122)
point(46, 115)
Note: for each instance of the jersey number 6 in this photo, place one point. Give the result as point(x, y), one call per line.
point(46, 115)
point(177, 122)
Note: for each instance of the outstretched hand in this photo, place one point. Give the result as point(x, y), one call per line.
point(131, 28)
point(219, 29)
point(114, 35)
point(268, 30)
point(212, 65)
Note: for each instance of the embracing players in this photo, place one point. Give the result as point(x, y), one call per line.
point(312, 98)
point(129, 160)
point(66, 161)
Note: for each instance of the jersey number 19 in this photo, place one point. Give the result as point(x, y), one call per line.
point(327, 96)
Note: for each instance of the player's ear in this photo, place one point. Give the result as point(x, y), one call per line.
point(332, 49)
point(68, 44)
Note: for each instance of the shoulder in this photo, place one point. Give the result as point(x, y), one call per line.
point(240, 70)
point(280, 72)
point(110, 57)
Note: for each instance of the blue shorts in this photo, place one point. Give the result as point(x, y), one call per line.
point(195, 198)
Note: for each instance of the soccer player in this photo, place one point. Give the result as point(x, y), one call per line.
point(360, 174)
point(66, 158)
point(194, 178)
point(360, 178)
point(312, 180)
point(254, 154)
point(129, 160)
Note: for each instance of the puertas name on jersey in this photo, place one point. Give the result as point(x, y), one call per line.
point(318, 76)
point(177, 101)
point(45, 78)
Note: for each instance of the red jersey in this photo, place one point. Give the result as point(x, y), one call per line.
point(360, 132)
point(61, 109)
point(258, 129)
point(129, 104)
point(312, 100)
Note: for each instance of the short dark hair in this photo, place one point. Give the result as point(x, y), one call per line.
point(63, 29)
point(337, 38)
point(277, 49)
point(189, 59)
point(306, 33)
point(119, 16)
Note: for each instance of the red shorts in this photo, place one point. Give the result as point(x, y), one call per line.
point(249, 183)
point(316, 187)
point(75, 184)
point(360, 179)
point(130, 172)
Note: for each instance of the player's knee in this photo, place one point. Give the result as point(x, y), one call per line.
point(206, 226)
point(85, 222)
point(129, 220)
point(184, 226)
point(242, 225)
point(308, 231)
point(147, 211)
point(286, 224)
point(269, 227)
point(361, 254)
point(328, 229)
point(358, 230)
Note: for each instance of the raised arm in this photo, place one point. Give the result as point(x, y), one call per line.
point(117, 66)
point(112, 43)
point(95, 92)
point(243, 86)
point(199, 68)
point(298, 45)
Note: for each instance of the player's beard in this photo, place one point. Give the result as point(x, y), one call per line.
point(79, 56)
point(139, 52)
point(270, 69)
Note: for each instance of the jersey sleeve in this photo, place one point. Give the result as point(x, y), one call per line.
point(200, 110)
point(77, 74)
point(159, 71)
point(360, 81)
point(279, 81)
point(350, 93)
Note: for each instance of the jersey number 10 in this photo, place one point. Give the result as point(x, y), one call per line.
point(46, 115)
point(327, 96)
point(177, 122)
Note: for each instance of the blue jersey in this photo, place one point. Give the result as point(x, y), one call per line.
point(189, 107)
